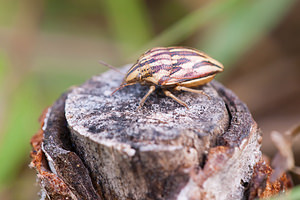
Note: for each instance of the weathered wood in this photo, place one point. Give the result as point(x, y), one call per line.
point(101, 146)
point(61, 172)
point(146, 153)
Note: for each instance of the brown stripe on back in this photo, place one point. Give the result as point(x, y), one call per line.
point(185, 53)
point(150, 61)
point(157, 68)
point(155, 49)
point(203, 63)
point(163, 80)
point(189, 76)
point(174, 50)
point(179, 53)
point(175, 69)
point(133, 68)
point(152, 52)
point(181, 61)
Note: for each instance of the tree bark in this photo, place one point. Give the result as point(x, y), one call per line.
point(100, 146)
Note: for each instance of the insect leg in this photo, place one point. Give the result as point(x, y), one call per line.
point(152, 88)
point(169, 94)
point(181, 88)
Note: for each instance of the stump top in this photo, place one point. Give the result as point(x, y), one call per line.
point(91, 110)
point(97, 146)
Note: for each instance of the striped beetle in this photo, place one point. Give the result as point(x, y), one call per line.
point(179, 68)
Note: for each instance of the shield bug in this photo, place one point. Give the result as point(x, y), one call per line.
point(177, 68)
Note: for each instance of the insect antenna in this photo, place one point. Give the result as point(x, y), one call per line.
point(121, 86)
point(110, 66)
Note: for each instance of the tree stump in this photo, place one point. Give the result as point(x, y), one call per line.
point(95, 145)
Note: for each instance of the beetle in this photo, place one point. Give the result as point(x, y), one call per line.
point(177, 68)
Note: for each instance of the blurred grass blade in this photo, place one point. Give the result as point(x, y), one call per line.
point(294, 193)
point(21, 124)
point(129, 22)
point(7, 12)
point(242, 28)
point(4, 71)
point(189, 24)
point(3, 67)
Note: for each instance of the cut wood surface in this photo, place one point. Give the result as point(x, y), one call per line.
point(102, 147)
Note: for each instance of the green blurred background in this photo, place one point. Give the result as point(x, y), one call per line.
point(46, 46)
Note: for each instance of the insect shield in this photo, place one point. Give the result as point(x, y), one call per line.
point(178, 68)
